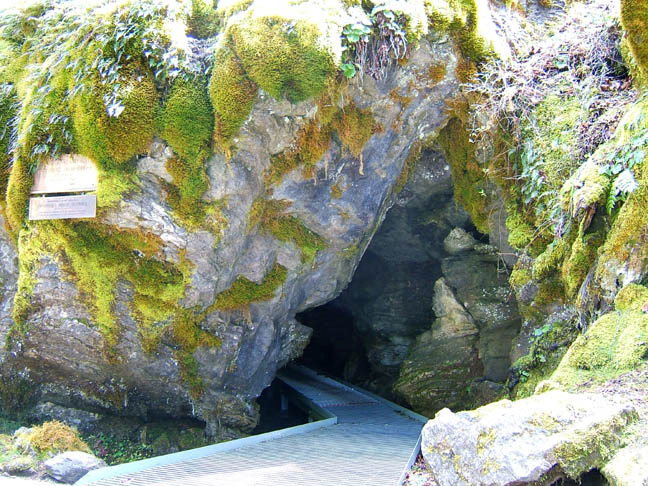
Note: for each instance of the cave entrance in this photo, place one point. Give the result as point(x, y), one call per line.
point(426, 268)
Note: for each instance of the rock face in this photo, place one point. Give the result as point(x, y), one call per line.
point(444, 359)
point(533, 441)
point(69, 467)
point(342, 201)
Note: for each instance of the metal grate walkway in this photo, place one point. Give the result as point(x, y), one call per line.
point(370, 445)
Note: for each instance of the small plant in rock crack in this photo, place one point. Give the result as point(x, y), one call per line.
point(620, 164)
point(372, 43)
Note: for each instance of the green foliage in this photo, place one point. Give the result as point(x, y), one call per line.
point(374, 41)
point(272, 217)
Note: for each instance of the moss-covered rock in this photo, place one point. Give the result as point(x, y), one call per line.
point(614, 344)
point(634, 17)
point(114, 140)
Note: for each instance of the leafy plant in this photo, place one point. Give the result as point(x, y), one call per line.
point(372, 43)
point(621, 162)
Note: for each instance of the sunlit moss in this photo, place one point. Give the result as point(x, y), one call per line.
point(634, 18)
point(203, 21)
point(114, 140)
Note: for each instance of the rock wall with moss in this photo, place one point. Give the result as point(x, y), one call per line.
point(241, 176)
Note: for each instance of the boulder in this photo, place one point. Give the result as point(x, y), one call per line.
point(459, 241)
point(532, 441)
point(69, 467)
point(629, 467)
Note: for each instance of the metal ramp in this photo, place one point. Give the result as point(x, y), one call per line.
point(364, 441)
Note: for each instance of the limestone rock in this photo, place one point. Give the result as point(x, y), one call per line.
point(532, 441)
point(69, 467)
point(459, 241)
point(629, 467)
point(443, 360)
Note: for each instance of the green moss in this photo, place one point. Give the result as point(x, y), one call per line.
point(616, 343)
point(283, 56)
point(468, 177)
point(581, 257)
point(243, 291)
point(549, 344)
point(336, 191)
point(185, 194)
point(114, 140)
point(271, 215)
point(8, 110)
point(634, 18)
point(586, 189)
point(466, 21)
point(521, 232)
point(203, 21)
point(548, 261)
point(632, 297)
point(354, 127)
point(187, 119)
point(519, 277)
point(30, 250)
point(312, 142)
point(584, 450)
point(232, 94)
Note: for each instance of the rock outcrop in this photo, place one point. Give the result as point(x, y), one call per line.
point(179, 298)
point(537, 440)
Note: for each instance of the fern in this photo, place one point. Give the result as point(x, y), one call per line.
point(624, 184)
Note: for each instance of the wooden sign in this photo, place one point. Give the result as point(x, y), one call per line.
point(68, 173)
point(62, 207)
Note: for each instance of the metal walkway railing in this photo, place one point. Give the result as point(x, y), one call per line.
point(363, 440)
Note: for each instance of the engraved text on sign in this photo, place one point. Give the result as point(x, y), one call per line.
point(69, 173)
point(62, 207)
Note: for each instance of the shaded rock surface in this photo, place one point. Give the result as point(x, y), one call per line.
point(69, 467)
point(533, 441)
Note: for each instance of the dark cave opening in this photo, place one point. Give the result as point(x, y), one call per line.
point(277, 412)
point(426, 261)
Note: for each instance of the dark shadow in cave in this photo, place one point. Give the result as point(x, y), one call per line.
point(384, 317)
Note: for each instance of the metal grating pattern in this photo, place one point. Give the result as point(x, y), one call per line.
point(370, 445)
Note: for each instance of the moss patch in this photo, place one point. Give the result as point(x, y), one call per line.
point(271, 215)
point(56, 437)
point(468, 177)
point(243, 291)
point(232, 94)
point(203, 21)
point(114, 140)
point(632, 297)
point(634, 18)
point(354, 127)
point(617, 342)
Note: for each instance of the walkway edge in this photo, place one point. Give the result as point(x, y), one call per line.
point(132, 467)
